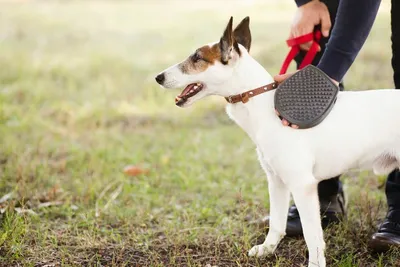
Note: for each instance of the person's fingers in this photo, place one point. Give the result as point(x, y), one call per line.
point(285, 122)
point(325, 23)
point(300, 31)
point(280, 78)
point(306, 46)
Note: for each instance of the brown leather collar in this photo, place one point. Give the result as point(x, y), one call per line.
point(244, 97)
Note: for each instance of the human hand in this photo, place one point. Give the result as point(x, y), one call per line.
point(279, 79)
point(307, 17)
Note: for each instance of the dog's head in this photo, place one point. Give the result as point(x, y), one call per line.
point(210, 67)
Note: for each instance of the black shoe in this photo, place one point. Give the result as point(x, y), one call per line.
point(388, 234)
point(332, 211)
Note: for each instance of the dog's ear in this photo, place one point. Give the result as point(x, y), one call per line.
point(226, 42)
point(242, 33)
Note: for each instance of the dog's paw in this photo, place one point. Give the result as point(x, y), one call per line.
point(261, 250)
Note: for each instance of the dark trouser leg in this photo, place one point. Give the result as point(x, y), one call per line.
point(393, 180)
point(327, 189)
point(395, 25)
point(393, 190)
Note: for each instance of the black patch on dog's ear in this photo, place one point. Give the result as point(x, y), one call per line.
point(226, 42)
point(242, 33)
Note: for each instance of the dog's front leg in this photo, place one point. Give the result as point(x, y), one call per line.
point(279, 204)
point(306, 199)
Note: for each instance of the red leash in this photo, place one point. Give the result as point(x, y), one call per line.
point(295, 43)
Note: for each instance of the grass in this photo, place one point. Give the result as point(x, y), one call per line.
point(78, 103)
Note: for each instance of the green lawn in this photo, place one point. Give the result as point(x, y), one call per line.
point(78, 103)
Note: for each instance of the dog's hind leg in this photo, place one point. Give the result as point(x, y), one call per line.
point(305, 195)
point(279, 205)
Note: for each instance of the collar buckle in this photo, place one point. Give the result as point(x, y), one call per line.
point(244, 97)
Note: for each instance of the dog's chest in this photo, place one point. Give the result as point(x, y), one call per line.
point(239, 114)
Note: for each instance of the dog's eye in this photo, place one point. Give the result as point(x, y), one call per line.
point(196, 58)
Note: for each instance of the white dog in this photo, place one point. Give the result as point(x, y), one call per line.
point(360, 132)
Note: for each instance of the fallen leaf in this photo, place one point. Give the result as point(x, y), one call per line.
point(7, 197)
point(20, 211)
point(132, 170)
point(48, 204)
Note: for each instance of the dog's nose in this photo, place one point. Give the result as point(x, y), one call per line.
point(160, 78)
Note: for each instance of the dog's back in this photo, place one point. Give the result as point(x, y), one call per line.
point(362, 131)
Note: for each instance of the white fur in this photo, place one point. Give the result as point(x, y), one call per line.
point(361, 132)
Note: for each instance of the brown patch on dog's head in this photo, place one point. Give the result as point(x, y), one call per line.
point(210, 53)
point(201, 59)
point(206, 55)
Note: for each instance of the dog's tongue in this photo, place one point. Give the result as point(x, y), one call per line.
point(187, 89)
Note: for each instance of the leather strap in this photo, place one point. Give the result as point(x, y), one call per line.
point(244, 97)
point(295, 43)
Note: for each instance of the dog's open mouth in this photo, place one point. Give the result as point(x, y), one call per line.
point(189, 91)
